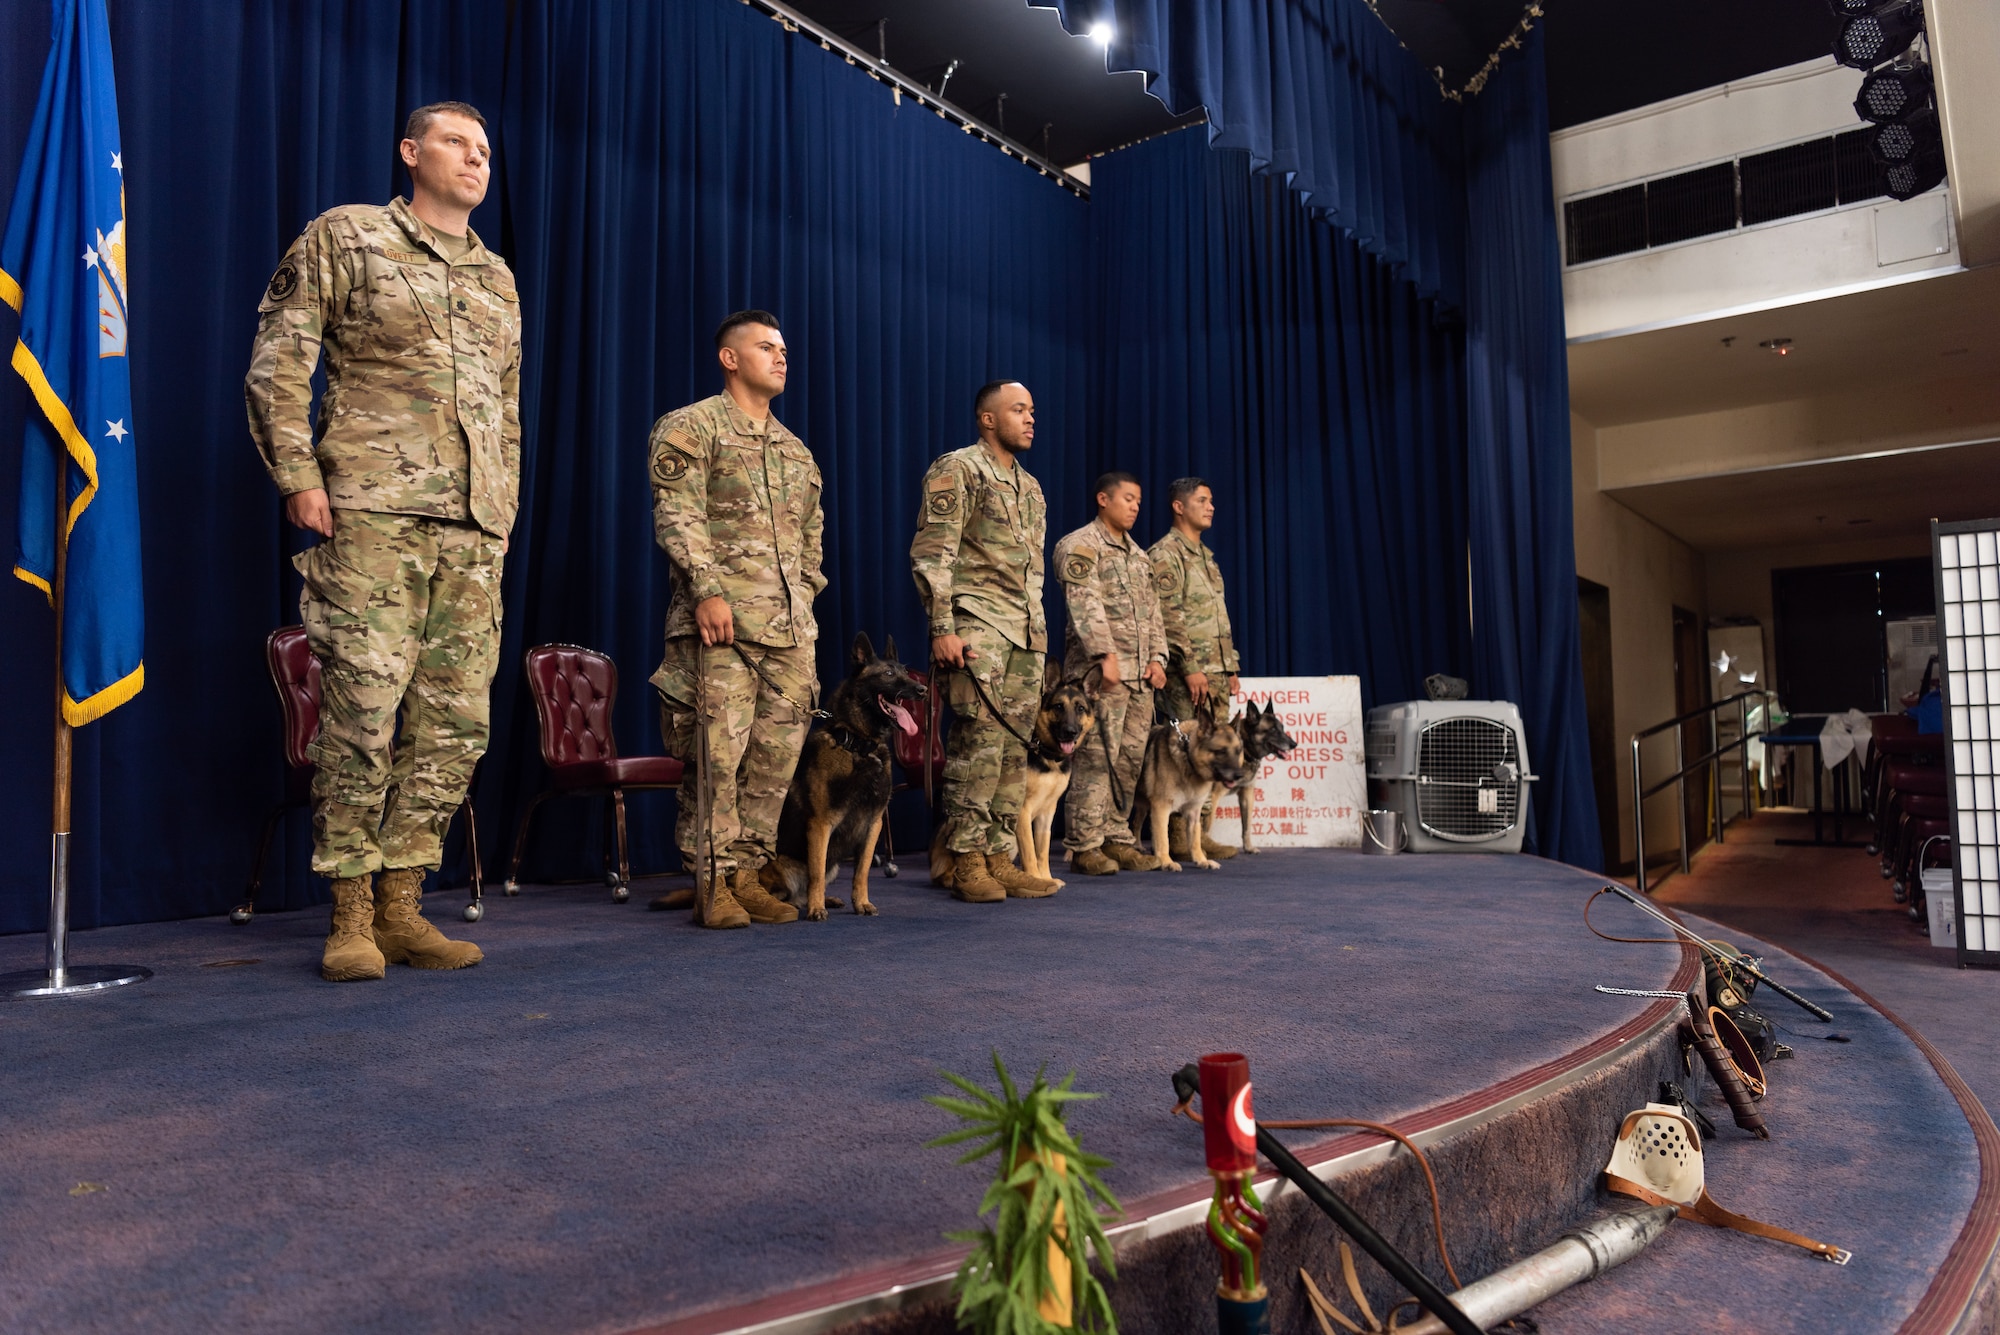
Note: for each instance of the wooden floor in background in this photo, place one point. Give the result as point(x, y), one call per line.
point(1832, 905)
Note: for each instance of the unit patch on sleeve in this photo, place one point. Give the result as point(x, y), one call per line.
point(1164, 581)
point(284, 282)
point(1077, 568)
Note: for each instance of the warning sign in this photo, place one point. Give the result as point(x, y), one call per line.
point(1315, 796)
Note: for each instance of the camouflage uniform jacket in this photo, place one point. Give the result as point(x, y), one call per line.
point(418, 350)
point(978, 548)
point(1108, 582)
point(736, 509)
point(1189, 584)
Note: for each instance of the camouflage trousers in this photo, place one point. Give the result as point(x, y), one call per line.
point(403, 613)
point(755, 735)
point(985, 766)
point(1176, 704)
point(1092, 813)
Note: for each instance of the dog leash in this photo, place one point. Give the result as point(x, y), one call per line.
point(776, 690)
point(704, 783)
point(1104, 741)
point(979, 688)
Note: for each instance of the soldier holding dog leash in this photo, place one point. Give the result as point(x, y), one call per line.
point(1202, 661)
point(736, 507)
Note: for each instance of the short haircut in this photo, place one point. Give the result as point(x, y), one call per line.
point(1112, 481)
point(738, 320)
point(1184, 487)
point(987, 391)
point(419, 123)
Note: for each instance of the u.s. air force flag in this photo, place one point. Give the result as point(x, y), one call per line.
point(62, 266)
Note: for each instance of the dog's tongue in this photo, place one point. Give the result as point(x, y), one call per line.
point(898, 713)
point(1067, 747)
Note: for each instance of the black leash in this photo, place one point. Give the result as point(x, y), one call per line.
point(1104, 741)
point(979, 688)
point(776, 690)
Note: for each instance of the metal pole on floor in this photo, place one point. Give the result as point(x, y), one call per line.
point(59, 979)
point(1638, 818)
point(1681, 791)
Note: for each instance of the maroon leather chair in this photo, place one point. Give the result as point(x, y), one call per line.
point(574, 691)
point(295, 675)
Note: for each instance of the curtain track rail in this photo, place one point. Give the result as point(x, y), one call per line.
point(882, 72)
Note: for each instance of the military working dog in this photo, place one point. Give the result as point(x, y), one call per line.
point(840, 791)
point(1065, 718)
point(1264, 738)
point(1184, 764)
point(1062, 720)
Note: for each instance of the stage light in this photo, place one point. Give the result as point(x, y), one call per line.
point(1905, 141)
point(1909, 179)
point(1866, 40)
point(1101, 33)
point(1894, 93)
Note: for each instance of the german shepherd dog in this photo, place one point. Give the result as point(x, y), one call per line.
point(1263, 737)
point(1064, 718)
point(1184, 763)
point(840, 791)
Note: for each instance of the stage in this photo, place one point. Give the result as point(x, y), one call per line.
point(619, 1122)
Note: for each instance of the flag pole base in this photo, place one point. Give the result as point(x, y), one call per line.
point(71, 982)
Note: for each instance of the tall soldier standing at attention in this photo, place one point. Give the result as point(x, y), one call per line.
point(977, 558)
point(736, 509)
point(412, 484)
point(1201, 660)
point(1115, 627)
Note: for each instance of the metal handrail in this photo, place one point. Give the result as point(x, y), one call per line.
point(1682, 768)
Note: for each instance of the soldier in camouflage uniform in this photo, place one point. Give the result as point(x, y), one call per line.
point(736, 509)
point(977, 558)
point(412, 484)
point(1114, 628)
point(1201, 662)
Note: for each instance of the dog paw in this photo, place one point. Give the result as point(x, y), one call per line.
point(1248, 849)
point(816, 912)
point(1170, 866)
point(835, 902)
point(864, 908)
point(1060, 883)
point(1208, 864)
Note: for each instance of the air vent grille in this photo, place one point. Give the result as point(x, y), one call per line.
point(1763, 187)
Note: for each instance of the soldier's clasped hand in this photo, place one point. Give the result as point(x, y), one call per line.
point(309, 509)
point(715, 621)
point(1156, 676)
point(951, 650)
point(1197, 684)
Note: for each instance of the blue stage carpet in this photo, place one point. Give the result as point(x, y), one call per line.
point(619, 1119)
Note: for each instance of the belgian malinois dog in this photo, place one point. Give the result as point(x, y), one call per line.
point(1065, 718)
point(1263, 738)
point(1184, 763)
point(840, 791)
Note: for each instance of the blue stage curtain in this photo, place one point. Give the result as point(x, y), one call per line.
point(1321, 94)
point(1249, 343)
point(908, 261)
point(1523, 529)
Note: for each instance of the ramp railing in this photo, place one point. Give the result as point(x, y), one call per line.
point(1684, 767)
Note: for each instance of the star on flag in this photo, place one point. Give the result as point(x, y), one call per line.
point(115, 430)
point(90, 257)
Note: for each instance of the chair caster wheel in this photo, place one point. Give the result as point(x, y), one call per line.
point(240, 915)
point(1888, 873)
point(511, 888)
point(1874, 850)
point(620, 893)
point(1916, 913)
point(611, 878)
point(890, 869)
point(474, 912)
point(1899, 894)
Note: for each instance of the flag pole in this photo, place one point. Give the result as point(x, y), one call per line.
point(59, 979)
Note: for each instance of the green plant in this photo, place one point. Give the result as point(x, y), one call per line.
point(1044, 1202)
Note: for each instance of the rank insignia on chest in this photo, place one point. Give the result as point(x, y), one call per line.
point(943, 502)
point(1077, 568)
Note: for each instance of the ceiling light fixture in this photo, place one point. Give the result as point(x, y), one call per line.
point(1867, 39)
point(1101, 33)
point(1781, 346)
point(1895, 93)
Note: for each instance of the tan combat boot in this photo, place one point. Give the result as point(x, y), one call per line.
point(751, 896)
point(402, 933)
point(350, 954)
point(1129, 858)
point(1018, 884)
point(723, 910)
point(971, 882)
point(1177, 836)
point(1093, 862)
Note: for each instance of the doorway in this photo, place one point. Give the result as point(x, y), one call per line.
point(1691, 693)
point(1594, 630)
